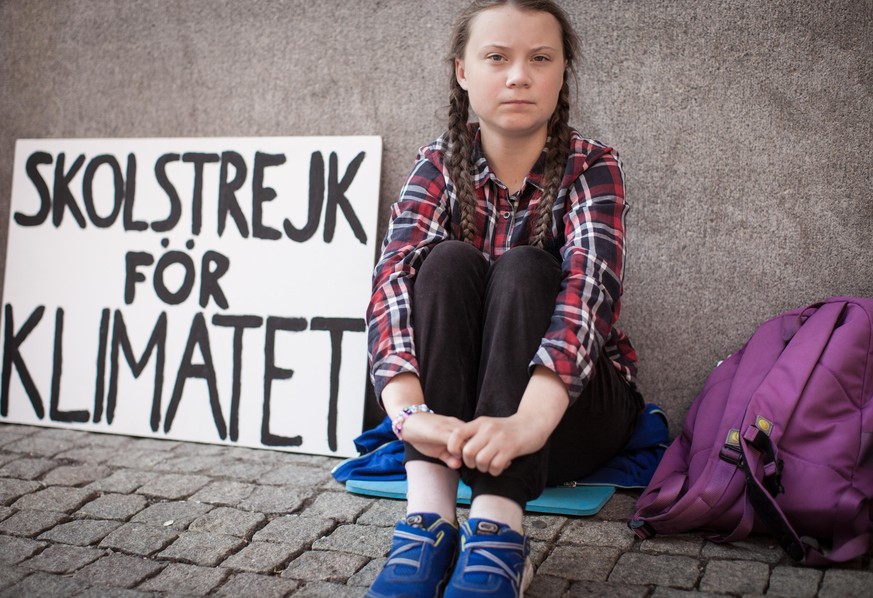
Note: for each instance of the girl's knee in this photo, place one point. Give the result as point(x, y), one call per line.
point(528, 263)
point(453, 251)
point(449, 260)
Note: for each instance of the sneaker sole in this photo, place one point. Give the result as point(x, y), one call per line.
point(526, 577)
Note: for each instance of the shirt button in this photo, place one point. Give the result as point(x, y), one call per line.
point(506, 215)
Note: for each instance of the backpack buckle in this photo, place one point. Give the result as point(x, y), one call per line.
point(731, 452)
point(642, 529)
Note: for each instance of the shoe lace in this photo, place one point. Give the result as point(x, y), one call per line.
point(492, 564)
point(412, 542)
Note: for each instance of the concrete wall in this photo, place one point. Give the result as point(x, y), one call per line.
point(745, 127)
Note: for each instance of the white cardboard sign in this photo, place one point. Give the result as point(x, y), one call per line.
point(208, 290)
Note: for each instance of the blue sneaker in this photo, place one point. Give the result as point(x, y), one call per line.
point(420, 560)
point(493, 561)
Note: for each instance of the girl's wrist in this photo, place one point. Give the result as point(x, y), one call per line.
point(398, 421)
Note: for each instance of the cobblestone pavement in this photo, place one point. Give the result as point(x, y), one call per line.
point(85, 514)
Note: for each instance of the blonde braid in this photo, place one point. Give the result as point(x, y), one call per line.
point(460, 159)
point(556, 162)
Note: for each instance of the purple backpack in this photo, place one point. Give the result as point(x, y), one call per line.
point(779, 440)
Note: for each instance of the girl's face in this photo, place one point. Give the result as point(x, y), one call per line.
point(513, 71)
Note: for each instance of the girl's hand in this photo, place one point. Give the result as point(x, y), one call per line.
point(489, 444)
point(429, 433)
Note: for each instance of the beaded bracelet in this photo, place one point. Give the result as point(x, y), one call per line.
point(397, 422)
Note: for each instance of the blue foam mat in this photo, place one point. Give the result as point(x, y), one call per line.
point(558, 500)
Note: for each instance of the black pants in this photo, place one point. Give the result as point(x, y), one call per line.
point(476, 330)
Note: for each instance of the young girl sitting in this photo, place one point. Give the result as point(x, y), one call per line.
point(492, 322)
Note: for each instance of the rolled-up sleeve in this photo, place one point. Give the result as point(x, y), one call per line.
point(593, 255)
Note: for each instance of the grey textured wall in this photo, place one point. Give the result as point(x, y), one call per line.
point(745, 127)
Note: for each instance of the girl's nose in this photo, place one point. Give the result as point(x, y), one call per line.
point(518, 75)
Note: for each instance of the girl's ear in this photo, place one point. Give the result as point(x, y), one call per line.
point(461, 73)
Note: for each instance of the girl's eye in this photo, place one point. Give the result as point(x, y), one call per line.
point(541, 58)
point(494, 58)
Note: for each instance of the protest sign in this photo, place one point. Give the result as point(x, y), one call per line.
point(209, 290)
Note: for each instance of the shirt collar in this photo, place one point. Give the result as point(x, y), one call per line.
point(482, 173)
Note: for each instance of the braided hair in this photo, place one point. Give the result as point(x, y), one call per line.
point(459, 158)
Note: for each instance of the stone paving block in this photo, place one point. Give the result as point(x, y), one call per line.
point(28, 468)
point(6, 512)
point(735, 577)
point(136, 458)
point(113, 441)
point(188, 464)
point(95, 455)
point(12, 432)
point(367, 575)
point(842, 583)
point(546, 586)
point(274, 499)
point(173, 486)
point(185, 580)
point(80, 532)
point(384, 513)
point(296, 476)
point(585, 532)
point(200, 548)
point(11, 575)
point(679, 544)
point(30, 523)
point(39, 446)
point(579, 563)
point(538, 552)
point(118, 571)
point(366, 540)
point(586, 589)
point(123, 481)
point(11, 489)
point(102, 592)
point(119, 507)
point(262, 557)
point(321, 565)
point(76, 475)
point(759, 549)
point(14, 550)
point(296, 531)
point(322, 589)
point(59, 499)
point(139, 538)
point(663, 592)
point(241, 471)
point(543, 527)
point(620, 507)
point(8, 457)
point(154, 444)
point(794, 582)
point(176, 515)
point(224, 492)
point(197, 449)
point(44, 584)
point(339, 506)
point(262, 586)
point(233, 522)
point(60, 558)
point(662, 570)
point(72, 437)
point(317, 461)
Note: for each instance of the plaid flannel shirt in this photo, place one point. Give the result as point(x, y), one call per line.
point(587, 237)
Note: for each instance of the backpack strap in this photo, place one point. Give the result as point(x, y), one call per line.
point(759, 460)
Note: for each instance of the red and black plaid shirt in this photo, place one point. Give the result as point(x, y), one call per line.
point(587, 237)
